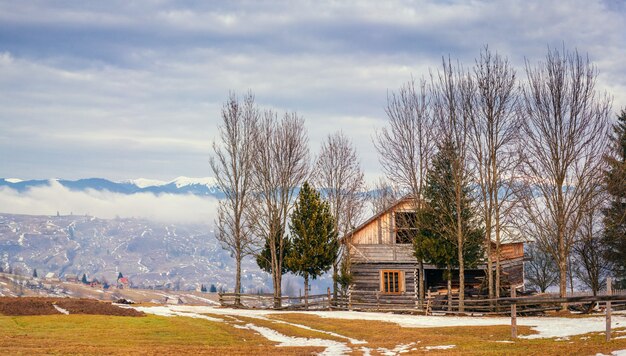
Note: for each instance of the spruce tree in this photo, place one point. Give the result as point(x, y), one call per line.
point(438, 243)
point(84, 279)
point(314, 238)
point(264, 258)
point(615, 213)
point(35, 273)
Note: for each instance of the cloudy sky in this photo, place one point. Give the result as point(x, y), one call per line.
point(128, 89)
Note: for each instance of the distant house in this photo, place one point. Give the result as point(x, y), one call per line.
point(123, 283)
point(382, 260)
point(71, 278)
point(51, 276)
point(95, 283)
point(174, 300)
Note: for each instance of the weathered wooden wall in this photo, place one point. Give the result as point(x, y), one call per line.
point(514, 270)
point(382, 253)
point(379, 229)
point(367, 277)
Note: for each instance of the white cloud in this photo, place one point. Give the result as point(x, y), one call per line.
point(48, 200)
point(120, 89)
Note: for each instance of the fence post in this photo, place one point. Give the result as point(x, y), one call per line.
point(609, 289)
point(513, 315)
point(329, 301)
point(221, 299)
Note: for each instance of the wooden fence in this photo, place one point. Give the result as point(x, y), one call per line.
point(435, 304)
point(267, 301)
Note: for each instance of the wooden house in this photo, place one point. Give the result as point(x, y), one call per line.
point(382, 260)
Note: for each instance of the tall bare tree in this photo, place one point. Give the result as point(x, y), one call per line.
point(494, 136)
point(281, 162)
point(589, 250)
point(406, 147)
point(540, 271)
point(565, 136)
point(382, 195)
point(453, 108)
point(232, 168)
point(338, 175)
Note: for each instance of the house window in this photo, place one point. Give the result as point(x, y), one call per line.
point(406, 226)
point(391, 282)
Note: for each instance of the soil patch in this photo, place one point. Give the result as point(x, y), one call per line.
point(45, 306)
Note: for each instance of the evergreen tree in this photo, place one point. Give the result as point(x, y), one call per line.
point(615, 213)
point(438, 243)
point(119, 275)
point(264, 258)
point(314, 238)
point(212, 289)
point(35, 273)
point(203, 288)
point(84, 279)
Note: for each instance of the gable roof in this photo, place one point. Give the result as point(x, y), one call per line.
point(391, 207)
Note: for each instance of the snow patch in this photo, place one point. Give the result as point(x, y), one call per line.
point(440, 347)
point(399, 349)
point(165, 311)
point(60, 310)
point(144, 183)
point(332, 347)
point(185, 181)
point(13, 180)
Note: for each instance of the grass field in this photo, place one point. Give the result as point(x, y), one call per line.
point(103, 334)
point(98, 334)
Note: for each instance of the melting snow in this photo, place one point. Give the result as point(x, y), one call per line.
point(441, 347)
point(332, 347)
point(61, 310)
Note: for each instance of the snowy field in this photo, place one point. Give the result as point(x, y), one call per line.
point(558, 328)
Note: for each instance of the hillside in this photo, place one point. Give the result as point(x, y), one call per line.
point(150, 254)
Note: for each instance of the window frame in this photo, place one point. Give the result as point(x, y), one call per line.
point(389, 282)
point(405, 229)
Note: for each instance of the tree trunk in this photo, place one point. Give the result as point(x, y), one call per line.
point(460, 244)
point(449, 272)
point(335, 277)
point(421, 284)
point(489, 266)
point(277, 290)
point(498, 267)
point(238, 278)
point(563, 281)
point(306, 291)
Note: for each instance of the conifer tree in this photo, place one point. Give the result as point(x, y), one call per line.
point(84, 279)
point(437, 243)
point(35, 273)
point(264, 258)
point(615, 213)
point(314, 239)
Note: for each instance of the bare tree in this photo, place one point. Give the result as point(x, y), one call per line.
point(589, 249)
point(494, 136)
point(281, 162)
point(406, 147)
point(453, 109)
point(541, 270)
point(232, 168)
point(565, 136)
point(338, 175)
point(382, 195)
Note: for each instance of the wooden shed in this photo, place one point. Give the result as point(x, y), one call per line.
point(382, 260)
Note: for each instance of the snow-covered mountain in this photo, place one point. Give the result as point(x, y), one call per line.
point(181, 185)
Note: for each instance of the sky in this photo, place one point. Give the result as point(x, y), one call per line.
point(128, 89)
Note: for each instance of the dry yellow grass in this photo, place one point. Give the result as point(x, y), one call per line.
point(95, 334)
point(468, 340)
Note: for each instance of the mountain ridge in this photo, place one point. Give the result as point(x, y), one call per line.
point(205, 186)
